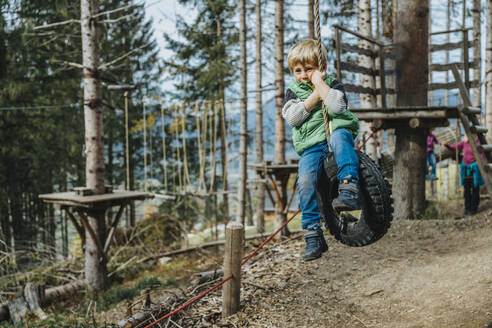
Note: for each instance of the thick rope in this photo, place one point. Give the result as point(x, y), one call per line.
point(320, 62)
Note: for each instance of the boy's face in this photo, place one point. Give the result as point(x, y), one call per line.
point(303, 73)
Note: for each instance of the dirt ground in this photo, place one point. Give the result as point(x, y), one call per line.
point(432, 273)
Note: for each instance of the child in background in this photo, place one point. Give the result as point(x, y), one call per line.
point(303, 112)
point(471, 179)
point(431, 157)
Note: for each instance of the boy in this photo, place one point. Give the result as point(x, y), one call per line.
point(303, 112)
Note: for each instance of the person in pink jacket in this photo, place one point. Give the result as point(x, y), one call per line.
point(471, 178)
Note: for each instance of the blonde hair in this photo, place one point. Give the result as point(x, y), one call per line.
point(306, 52)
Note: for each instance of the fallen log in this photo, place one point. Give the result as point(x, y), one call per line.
point(147, 313)
point(34, 296)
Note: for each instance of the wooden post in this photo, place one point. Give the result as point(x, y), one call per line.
point(232, 265)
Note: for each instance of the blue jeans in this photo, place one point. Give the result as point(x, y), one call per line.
point(431, 161)
point(309, 171)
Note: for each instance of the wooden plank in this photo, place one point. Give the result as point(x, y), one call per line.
point(359, 89)
point(478, 129)
point(452, 31)
point(472, 110)
point(478, 158)
point(485, 148)
point(76, 225)
point(451, 85)
point(358, 69)
point(403, 115)
point(289, 201)
point(92, 234)
point(361, 51)
point(449, 46)
point(116, 195)
point(471, 137)
point(408, 108)
point(277, 193)
point(364, 37)
point(448, 67)
point(113, 227)
point(467, 103)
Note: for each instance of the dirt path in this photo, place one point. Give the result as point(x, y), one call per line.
point(435, 273)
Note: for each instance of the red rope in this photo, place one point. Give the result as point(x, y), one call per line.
point(365, 141)
point(193, 300)
point(269, 238)
point(229, 277)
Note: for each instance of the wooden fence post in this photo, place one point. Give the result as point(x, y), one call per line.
point(232, 265)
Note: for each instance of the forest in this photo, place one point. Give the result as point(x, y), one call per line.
point(136, 136)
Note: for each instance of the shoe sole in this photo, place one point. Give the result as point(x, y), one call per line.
point(341, 208)
point(307, 259)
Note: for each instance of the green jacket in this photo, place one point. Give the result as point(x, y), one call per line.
point(312, 131)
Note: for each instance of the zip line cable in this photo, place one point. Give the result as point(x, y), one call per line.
point(41, 107)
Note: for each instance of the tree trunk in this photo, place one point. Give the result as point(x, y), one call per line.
point(51, 231)
point(241, 206)
point(311, 19)
point(95, 267)
point(223, 138)
point(260, 187)
point(5, 236)
point(488, 73)
point(386, 10)
point(410, 39)
point(366, 100)
point(281, 181)
point(477, 39)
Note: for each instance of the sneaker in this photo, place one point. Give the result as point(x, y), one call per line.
point(315, 245)
point(348, 198)
point(434, 177)
point(428, 177)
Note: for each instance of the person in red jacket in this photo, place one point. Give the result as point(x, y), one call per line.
point(471, 178)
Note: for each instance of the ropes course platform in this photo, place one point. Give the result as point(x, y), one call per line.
point(75, 199)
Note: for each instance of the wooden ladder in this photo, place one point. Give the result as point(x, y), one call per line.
point(474, 130)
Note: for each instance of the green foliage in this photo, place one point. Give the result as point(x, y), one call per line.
point(43, 148)
point(431, 212)
point(160, 230)
point(117, 294)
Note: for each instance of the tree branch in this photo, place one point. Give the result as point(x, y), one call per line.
point(57, 24)
point(109, 21)
point(113, 11)
point(105, 66)
point(76, 65)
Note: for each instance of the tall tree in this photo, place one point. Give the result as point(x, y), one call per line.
point(477, 40)
point(366, 100)
point(411, 47)
point(311, 18)
point(488, 73)
point(281, 181)
point(260, 189)
point(204, 64)
point(95, 265)
point(243, 120)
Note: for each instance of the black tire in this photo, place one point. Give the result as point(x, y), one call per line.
point(377, 211)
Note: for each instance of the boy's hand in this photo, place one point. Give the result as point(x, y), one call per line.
point(317, 77)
